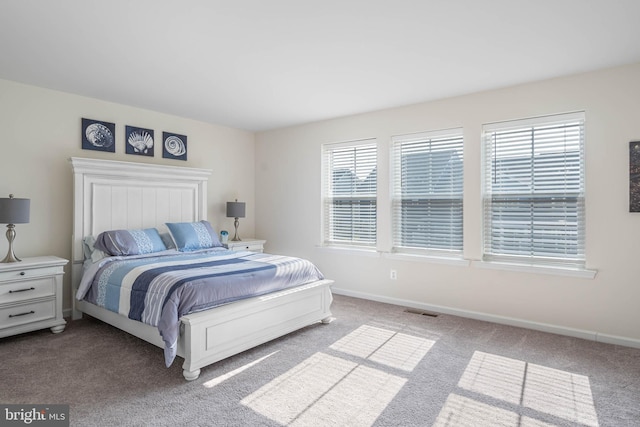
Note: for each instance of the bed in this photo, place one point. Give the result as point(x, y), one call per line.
point(112, 195)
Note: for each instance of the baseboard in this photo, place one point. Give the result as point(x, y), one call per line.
point(613, 339)
point(503, 320)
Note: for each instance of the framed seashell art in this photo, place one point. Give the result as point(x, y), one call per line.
point(98, 135)
point(139, 141)
point(174, 146)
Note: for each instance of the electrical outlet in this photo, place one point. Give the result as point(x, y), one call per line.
point(393, 275)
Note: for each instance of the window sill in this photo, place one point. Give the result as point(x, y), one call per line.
point(428, 258)
point(533, 268)
point(351, 250)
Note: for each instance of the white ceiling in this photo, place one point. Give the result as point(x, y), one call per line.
point(264, 64)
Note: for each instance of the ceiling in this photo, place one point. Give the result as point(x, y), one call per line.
point(259, 65)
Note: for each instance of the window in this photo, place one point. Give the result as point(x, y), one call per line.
point(427, 192)
point(349, 193)
point(534, 190)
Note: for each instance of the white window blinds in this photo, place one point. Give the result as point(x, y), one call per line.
point(534, 190)
point(427, 192)
point(349, 193)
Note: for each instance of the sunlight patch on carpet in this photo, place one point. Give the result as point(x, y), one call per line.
point(560, 393)
point(494, 376)
point(214, 382)
point(462, 411)
point(326, 390)
point(549, 391)
point(387, 347)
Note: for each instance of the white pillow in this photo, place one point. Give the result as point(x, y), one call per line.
point(90, 252)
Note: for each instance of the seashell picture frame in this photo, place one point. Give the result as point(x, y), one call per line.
point(98, 135)
point(174, 146)
point(139, 141)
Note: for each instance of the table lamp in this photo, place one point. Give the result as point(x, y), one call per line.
point(235, 210)
point(13, 211)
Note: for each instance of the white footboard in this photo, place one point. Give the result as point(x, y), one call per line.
point(215, 334)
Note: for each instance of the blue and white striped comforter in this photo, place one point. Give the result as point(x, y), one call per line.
point(158, 289)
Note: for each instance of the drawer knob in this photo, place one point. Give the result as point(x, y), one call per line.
point(22, 273)
point(22, 314)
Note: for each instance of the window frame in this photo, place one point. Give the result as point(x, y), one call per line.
point(427, 239)
point(550, 201)
point(368, 148)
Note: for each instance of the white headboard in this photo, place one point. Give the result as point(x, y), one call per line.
point(111, 195)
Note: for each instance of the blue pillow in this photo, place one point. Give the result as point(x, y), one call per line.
point(168, 240)
point(191, 236)
point(130, 242)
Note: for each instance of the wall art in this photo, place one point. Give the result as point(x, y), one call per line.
point(174, 146)
point(634, 176)
point(98, 135)
point(139, 141)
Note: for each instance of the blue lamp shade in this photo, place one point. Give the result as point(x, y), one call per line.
point(14, 211)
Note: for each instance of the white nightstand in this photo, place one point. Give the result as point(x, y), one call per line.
point(31, 295)
point(252, 245)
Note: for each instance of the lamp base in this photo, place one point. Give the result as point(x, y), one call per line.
point(11, 234)
point(236, 238)
point(11, 257)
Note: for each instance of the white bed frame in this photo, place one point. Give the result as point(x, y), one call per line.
point(111, 195)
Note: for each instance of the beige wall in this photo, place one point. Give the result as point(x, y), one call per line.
point(40, 131)
point(288, 209)
point(279, 178)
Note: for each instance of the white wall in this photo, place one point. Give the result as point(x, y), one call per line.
point(288, 209)
point(41, 129)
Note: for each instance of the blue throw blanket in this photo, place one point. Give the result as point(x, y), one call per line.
point(158, 289)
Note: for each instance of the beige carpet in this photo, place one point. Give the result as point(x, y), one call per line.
point(376, 365)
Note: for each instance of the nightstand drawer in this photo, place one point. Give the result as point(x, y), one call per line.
point(248, 247)
point(27, 313)
point(22, 290)
point(252, 245)
point(25, 273)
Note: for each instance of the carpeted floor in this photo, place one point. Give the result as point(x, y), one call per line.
point(376, 365)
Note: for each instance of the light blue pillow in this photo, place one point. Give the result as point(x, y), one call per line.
point(130, 242)
point(191, 236)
